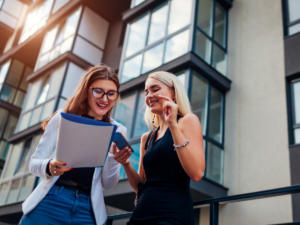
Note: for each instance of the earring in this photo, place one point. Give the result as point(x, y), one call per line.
point(153, 118)
point(174, 100)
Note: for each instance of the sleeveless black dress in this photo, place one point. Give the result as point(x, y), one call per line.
point(166, 197)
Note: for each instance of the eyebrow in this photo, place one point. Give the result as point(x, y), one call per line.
point(153, 86)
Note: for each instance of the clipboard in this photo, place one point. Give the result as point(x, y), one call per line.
point(83, 142)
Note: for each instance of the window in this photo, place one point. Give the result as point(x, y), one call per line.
point(36, 20)
point(155, 38)
point(47, 92)
point(8, 122)
point(13, 84)
point(208, 104)
point(59, 40)
point(293, 18)
point(41, 98)
point(130, 113)
point(210, 39)
point(16, 182)
point(296, 111)
point(1, 3)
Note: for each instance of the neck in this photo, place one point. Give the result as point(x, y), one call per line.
point(96, 117)
point(162, 122)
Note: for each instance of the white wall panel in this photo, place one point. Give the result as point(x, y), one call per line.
point(8, 19)
point(74, 74)
point(87, 51)
point(13, 7)
point(93, 27)
point(58, 5)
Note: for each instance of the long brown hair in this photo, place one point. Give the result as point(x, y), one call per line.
point(78, 104)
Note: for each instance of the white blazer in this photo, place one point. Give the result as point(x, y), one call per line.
point(104, 177)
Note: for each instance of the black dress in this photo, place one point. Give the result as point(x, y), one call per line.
point(166, 197)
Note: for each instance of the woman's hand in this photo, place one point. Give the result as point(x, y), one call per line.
point(121, 156)
point(55, 170)
point(170, 110)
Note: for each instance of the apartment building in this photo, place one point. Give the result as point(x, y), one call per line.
point(238, 61)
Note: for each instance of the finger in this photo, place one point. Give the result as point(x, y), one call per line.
point(115, 150)
point(126, 156)
point(58, 163)
point(120, 155)
point(165, 98)
point(62, 170)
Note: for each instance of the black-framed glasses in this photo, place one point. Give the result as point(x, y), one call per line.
point(99, 93)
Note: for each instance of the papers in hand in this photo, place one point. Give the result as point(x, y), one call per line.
point(83, 142)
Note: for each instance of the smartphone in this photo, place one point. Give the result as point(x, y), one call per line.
point(121, 142)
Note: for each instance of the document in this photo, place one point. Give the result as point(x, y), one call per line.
point(83, 142)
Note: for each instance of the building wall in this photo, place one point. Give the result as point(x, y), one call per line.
point(256, 137)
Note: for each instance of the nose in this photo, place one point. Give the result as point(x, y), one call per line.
point(104, 97)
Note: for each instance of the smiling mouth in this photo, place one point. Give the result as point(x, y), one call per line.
point(101, 106)
point(152, 103)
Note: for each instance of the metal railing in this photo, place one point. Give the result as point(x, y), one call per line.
point(215, 202)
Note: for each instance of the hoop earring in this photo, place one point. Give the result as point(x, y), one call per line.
point(174, 100)
point(153, 118)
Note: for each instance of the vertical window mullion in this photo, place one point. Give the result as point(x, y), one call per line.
point(20, 186)
point(193, 26)
point(208, 109)
point(4, 81)
point(212, 31)
point(166, 31)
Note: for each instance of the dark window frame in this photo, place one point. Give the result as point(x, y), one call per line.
point(285, 17)
point(212, 38)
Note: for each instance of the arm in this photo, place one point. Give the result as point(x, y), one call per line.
point(122, 156)
point(111, 170)
point(40, 158)
point(192, 155)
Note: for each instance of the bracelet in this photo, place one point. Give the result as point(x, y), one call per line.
point(179, 146)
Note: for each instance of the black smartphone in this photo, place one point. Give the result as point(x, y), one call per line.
point(121, 142)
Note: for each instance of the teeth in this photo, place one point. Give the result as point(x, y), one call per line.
point(101, 105)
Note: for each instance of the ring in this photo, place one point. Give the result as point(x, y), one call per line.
point(55, 170)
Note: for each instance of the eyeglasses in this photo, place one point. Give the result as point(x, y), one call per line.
point(99, 93)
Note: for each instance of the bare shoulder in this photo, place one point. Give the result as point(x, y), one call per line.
point(144, 137)
point(190, 120)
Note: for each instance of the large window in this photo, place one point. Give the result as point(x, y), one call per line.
point(41, 98)
point(16, 182)
point(296, 111)
point(59, 40)
point(46, 94)
point(8, 122)
point(208, 104)
point(13, 84)
point(36, 20)
point(210, 38)
point(157, 37)
point(83, 33)
point(293, 16)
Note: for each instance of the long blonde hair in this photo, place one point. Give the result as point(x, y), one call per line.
point(181, 97)
point(78, 104)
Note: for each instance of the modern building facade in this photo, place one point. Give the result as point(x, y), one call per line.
point(238, 61)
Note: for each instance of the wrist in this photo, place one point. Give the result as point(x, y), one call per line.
point(126, 165)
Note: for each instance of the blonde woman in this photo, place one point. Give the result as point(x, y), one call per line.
point(170, 155)
point(67, 195)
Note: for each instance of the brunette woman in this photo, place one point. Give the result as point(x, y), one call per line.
point(170, 155)
point(74, 196)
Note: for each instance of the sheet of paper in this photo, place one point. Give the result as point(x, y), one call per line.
point(83, 142)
